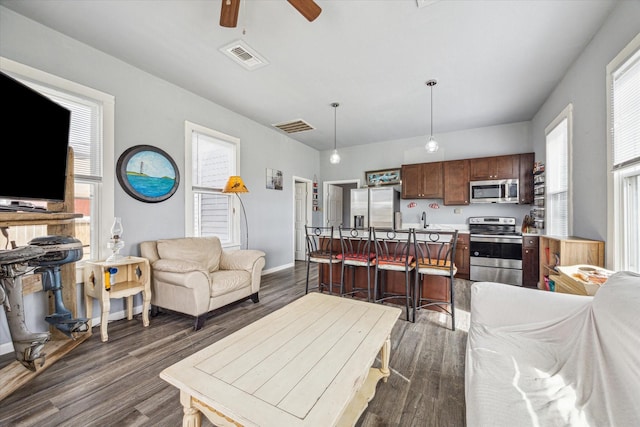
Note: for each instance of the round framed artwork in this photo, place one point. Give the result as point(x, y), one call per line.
point(147, 173)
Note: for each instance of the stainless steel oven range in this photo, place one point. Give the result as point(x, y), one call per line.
point(496, 250)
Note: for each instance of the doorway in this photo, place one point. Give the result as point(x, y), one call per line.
point(302, 191)
point(337, 202)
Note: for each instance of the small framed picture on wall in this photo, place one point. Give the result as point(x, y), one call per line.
point(274, 179)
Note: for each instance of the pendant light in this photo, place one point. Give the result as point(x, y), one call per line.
point(432, 144)
point(335, 157)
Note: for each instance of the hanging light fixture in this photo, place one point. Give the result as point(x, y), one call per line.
point(432, 144)
point(335, 157)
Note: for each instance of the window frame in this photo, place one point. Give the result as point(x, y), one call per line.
point(615, 176)
point(234, 211)
point(565, 114)
point(103, 203)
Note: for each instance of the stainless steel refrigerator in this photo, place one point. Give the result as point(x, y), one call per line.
point(375, 207)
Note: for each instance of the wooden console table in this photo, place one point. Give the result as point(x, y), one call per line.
point(308, 364)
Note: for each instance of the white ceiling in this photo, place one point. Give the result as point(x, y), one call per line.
point(495, 61)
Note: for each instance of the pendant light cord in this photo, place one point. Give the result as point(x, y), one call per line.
point(431, 83)
point(431, 87)
point(335, 157)
point(335, 106)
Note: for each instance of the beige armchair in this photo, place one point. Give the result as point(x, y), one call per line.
point(194, 275)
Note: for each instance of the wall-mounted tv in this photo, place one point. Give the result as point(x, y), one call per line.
point(35, 140)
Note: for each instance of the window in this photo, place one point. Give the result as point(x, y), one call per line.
point(91, 137)
point(558, 168)
point(623, 95)
point(213, 158)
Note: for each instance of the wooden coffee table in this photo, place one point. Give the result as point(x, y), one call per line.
point(308, 364)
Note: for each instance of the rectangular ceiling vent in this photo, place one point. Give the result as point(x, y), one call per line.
point(294, 126)
point(244, 55)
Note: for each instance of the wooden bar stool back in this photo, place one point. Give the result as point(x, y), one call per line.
point(357, 252)
point(435, 256)
point(393, 254)
point(322, 250)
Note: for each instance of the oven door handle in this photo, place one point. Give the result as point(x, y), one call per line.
point(494, 239)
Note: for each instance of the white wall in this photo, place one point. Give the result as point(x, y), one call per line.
point(584, 85)
point(151, 111)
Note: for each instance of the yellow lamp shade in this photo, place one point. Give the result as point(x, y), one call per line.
point(235, 185)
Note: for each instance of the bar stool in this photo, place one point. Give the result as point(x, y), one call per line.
point(321, 250)
point(435, 256)
point(357, 252)
point(393, 253)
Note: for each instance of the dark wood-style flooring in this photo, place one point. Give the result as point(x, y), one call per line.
point(117, 383)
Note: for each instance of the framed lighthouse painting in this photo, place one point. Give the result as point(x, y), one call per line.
point(147, 173)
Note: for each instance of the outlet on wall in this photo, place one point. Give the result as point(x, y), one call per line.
point(457, 211)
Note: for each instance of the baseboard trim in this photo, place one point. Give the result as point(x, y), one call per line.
point(276, 269)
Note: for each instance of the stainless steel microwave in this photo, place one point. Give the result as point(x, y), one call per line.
point(494, 191)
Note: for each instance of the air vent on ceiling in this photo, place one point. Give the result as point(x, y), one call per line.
point(294, 126)
point(244, 55)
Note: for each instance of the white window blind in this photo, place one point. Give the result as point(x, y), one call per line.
point(624, 121)
point(557, 179)
point(626, 113)
point(84, 131)
point(213, 160)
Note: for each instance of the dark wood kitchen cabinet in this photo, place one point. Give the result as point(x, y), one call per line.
point(422, 181)
point(456, 182)
point(496, 167)
point(530, 261)
point(526, 178)
point(462, 257)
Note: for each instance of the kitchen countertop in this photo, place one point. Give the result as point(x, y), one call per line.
point(462, 228)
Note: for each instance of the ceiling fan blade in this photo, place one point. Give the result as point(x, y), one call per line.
point(229, 13)
point(308, 8)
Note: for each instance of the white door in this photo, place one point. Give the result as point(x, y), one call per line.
point(301, 219)
point(334, 206)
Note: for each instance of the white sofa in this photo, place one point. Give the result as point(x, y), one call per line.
point(538, 358)
point(194, 275)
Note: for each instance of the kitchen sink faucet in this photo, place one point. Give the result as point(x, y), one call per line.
point(424, 220)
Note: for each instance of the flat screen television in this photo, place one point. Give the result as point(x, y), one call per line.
point(35, 140)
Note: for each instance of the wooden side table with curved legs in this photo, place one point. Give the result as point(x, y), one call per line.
point(103, 283)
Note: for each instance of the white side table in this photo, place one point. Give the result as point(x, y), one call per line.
point(131, 278)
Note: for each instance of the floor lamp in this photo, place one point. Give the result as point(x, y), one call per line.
point(235, 185)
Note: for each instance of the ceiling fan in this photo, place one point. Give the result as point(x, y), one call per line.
point(229, 13)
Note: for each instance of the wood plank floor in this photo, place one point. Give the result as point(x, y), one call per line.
point(117, 383)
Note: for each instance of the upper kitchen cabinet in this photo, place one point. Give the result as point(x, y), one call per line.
point(456, 182)
point(497, 167)
point(526, 178)
point(422, 181)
